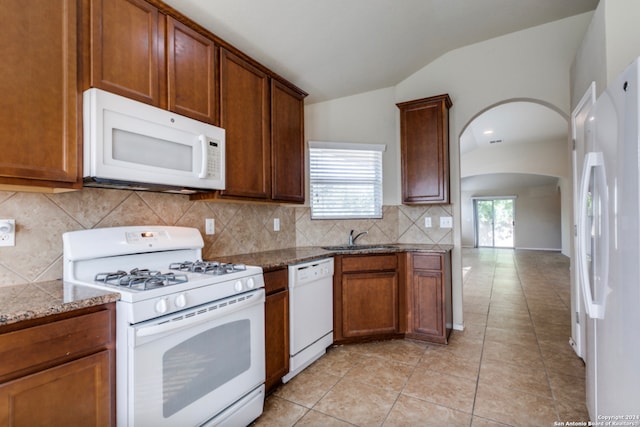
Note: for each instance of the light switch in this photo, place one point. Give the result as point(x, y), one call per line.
point(276, 224)
point(427, 222)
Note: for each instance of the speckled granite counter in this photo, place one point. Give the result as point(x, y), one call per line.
point(40, 299)
point(269, 260)
point(33, 300)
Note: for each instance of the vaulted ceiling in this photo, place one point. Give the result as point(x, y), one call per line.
point(335, 48)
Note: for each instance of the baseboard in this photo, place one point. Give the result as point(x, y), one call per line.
point(539, 249)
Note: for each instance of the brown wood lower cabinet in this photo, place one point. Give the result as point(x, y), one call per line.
point(366, 297)
point(429, 314)
point(276, 326)
point(60, 372)
point(392, 296)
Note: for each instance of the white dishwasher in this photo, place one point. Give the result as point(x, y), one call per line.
point(310, 313)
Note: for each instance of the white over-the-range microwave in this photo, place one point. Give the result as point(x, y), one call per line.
point(135, 146)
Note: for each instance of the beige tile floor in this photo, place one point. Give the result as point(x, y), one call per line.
point(512, 365)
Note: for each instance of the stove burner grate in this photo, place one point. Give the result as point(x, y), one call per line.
point(142, 279)
point(207, 267)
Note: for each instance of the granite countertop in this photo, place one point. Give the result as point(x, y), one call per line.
point(34, 300)
point(270, 260)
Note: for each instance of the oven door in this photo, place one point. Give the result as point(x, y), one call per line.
point(187, 367)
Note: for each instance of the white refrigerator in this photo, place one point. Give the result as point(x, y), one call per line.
point(608, 243)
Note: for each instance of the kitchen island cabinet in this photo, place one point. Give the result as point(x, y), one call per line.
point(59, 370)
point(276, 326)
point(428, 290)
point(40, 110)
point(424, 150)
point(366, 297)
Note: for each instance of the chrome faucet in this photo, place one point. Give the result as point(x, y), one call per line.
point(352, 239)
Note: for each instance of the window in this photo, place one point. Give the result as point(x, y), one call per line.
point(345, 180)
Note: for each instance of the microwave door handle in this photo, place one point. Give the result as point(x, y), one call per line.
point(205, 159)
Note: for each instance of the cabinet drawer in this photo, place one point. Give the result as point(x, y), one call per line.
point(427, 262)
point(58, 340)
point(369, 263)
point(276, 280)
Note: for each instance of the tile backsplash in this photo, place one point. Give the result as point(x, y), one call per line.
point(41, 219)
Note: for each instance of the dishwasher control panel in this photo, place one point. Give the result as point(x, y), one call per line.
point(311, 271)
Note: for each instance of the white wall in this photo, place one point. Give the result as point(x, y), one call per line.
point(531, 64)
point(537, 216)
point(366, 118)
point(543, 158)
point(611, 42)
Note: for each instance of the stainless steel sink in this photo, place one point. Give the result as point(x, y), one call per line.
point(342, 248)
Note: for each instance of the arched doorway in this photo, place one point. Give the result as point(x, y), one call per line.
point(517, 149)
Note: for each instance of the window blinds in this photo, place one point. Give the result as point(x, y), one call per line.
point(345, 180)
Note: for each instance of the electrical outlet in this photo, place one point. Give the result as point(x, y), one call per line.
point(446, 222)
point(210, 226)
point(276, 224)
point(427, 222)
point(7, 232)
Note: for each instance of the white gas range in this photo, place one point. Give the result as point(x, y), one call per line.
point(190, 334)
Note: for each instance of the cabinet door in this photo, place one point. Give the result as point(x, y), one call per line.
point(77, 393)
point(191, 62)
point(424, 148)
point(287, 143)
point(369, 304)
point(276, 337)
point(39, 105)
point(244, 114)
point(427, 311)
point(125, 38)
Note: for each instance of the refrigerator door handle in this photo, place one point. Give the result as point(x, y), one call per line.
point(593, 161)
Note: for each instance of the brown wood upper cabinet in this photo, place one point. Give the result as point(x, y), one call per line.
point(287, 144)
point(263, 120)
point(191, 73)
point(40, 110)
point(125, 56)
point(142, 54)
point(149, 52)
point(424, 148)
point(244, 114)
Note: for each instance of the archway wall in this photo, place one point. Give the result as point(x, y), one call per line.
point(542, 158)
point(530, 64)
point(533, 63)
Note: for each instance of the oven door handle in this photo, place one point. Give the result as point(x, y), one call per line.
point(196, 317)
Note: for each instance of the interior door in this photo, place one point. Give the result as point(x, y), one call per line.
point(494, 222)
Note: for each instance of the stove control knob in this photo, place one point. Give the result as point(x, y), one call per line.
point(238, 286)
point(162, 306)
point(181, 300)
point(250, 283)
